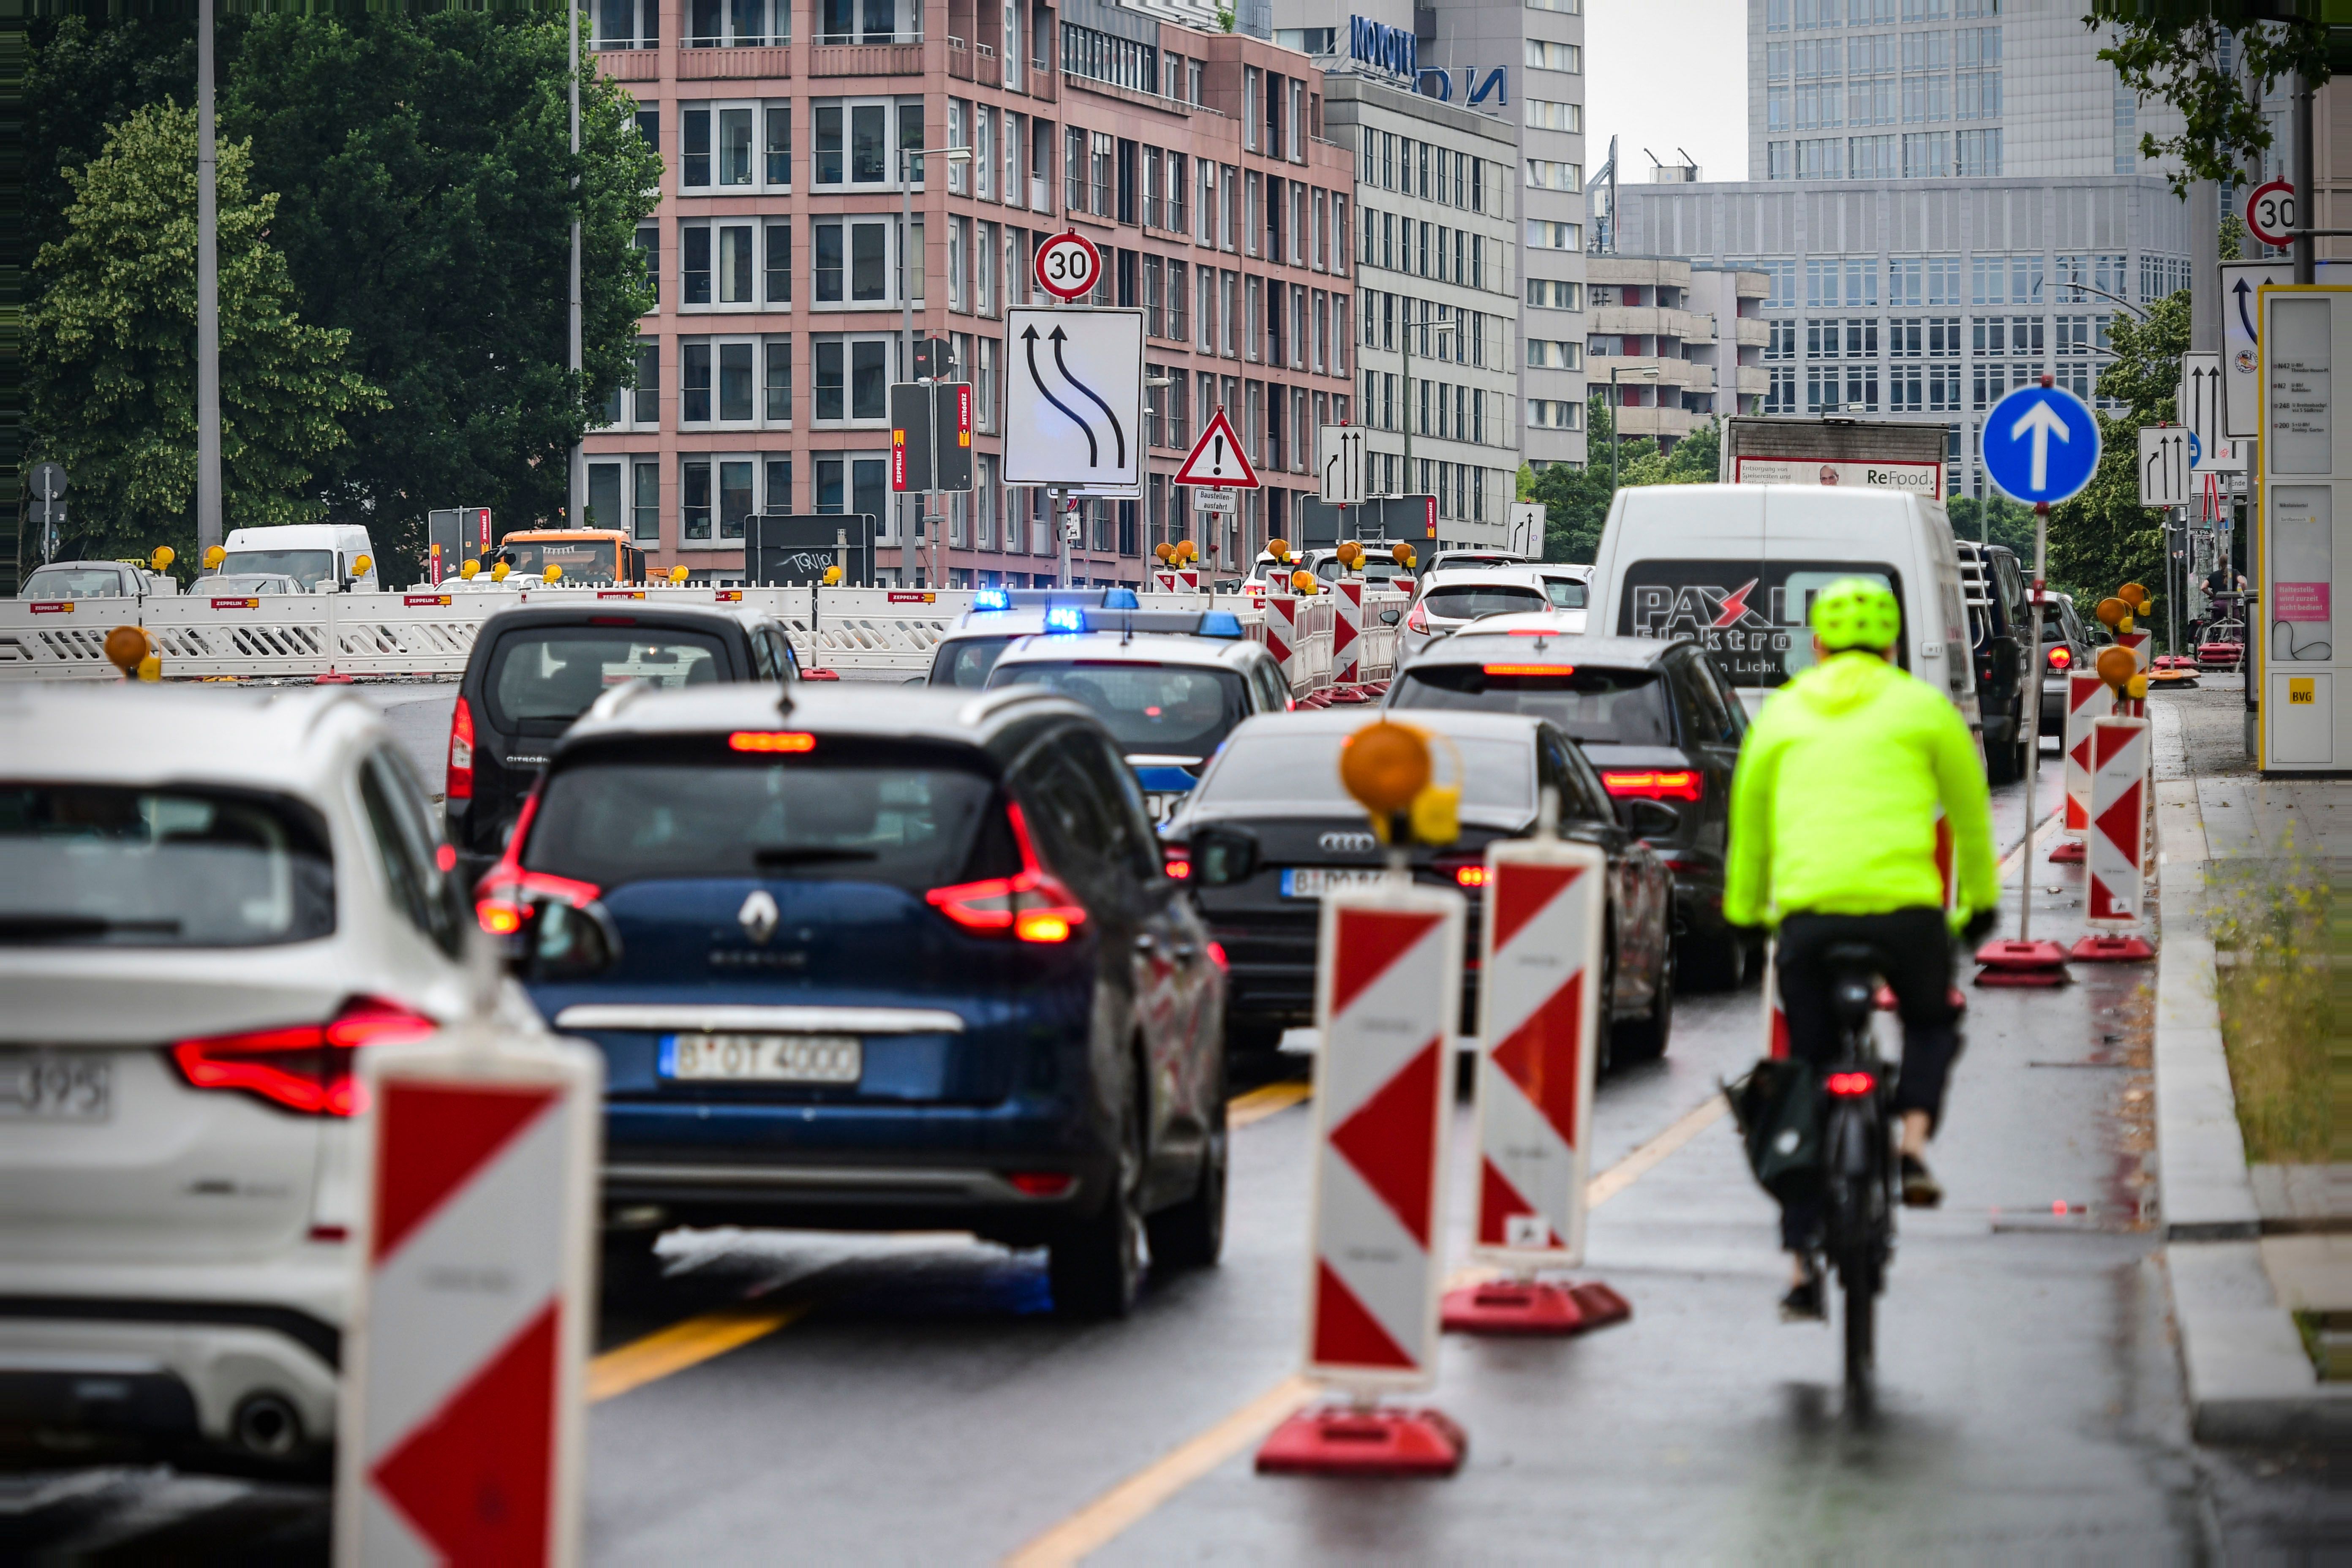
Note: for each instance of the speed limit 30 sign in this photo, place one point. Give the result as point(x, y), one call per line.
point(2270, 212)
point(1068, 266)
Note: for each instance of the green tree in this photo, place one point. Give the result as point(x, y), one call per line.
point(2104, 537)
point(1576, 500)
point(2201, 59)
point(113, 348)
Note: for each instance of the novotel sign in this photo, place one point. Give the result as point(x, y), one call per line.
point(1391, 50)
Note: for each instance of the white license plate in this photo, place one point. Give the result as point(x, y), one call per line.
point(54, 1085)
point(763, 1059)
point(1314, 881)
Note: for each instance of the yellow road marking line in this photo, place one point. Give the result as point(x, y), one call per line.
point(1104, 1520)
point(686, 1343)
point(1260, 1103)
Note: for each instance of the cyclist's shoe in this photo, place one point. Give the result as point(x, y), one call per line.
point(1920, 1188)
point(1802, 1304)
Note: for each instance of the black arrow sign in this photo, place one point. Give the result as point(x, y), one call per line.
point(1094, 451)
point(2242, 290)
point(1118, 433)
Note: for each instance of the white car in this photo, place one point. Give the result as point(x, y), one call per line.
point(210, 902)
point(1451, 598)
point(63, 580)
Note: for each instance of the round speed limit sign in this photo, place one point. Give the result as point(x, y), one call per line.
point(1068, 266)
point(2270, 212)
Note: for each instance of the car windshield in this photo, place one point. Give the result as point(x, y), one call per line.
point(556, 672)
point(103, 865)
point(1467, 601)
point(913, 815)
point(1565, 593)
point(1168, 709)
point(966, 661)
point(583, 560)
point(1278, 772)
point(74, 583)
point(250, 582)
point(1602, 707)
point(308, 567)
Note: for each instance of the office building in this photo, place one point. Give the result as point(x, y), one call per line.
point(1672, 345)
point(1197, 160)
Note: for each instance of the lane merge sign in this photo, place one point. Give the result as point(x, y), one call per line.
point(1075, 392)
point(1217, 458)
point(2041, 445)
point(2164, 463)
point(1343, 454)
point(1068, 266)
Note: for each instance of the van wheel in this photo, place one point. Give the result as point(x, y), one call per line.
point(1096, 1269)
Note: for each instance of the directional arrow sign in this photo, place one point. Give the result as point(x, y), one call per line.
point(2164, 465)
point(1340, 456)
point(2242, 283)
point(2199, 401)
point(1217, 458)
point(1073, 398)
point(2041, 445)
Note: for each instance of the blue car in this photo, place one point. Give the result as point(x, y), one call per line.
point(878, 958)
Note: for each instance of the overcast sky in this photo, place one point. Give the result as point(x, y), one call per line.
point(1667, 73)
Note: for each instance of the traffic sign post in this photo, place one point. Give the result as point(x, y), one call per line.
point(1068, 267)
point(2040, 445)
point(1074, 398)
point(2164, 465)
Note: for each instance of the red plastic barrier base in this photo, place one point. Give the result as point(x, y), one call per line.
point(2069, 852)
point(1532, 1306)
point(1341, 1440)
point(2100, 949)
point(2011, 962)
point(332, 679)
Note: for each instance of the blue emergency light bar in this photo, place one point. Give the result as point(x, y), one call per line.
point(1180, 623)
point(1053, 598)
point(1065, 618)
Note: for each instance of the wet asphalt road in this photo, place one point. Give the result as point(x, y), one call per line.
point(915, 1403)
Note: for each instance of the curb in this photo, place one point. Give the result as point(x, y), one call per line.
point(2249, 1380)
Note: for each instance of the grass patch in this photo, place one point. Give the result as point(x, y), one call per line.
point(2274, 931)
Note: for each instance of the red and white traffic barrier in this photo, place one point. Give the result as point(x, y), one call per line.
point(2118, 842)
point(1539, 1004)
point(1389, 978)
point(1347, 631)
point(2088, 698)
point(1776, 1022)
point(461, 1422)
point(1282, 631)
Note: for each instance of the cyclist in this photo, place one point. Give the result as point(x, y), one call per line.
point(1833, 840)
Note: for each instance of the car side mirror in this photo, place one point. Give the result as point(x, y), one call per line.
point(1651, 818)
point(561, 942)
point(1391, 617)
point(1222, 856)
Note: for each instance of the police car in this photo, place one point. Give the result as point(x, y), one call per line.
point(1170, 686)
point(998, 616)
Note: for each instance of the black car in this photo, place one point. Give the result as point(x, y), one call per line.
point(2000, 640)
point(1274, 789)
point(1655, 719)
point(879, 958)
point(536, 668)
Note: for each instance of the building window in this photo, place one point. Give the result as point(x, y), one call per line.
point(1549, 56)
point(1546, 114)
point(1976, 79)
point(850, 262)
point(778, 380)
point(625, 24)
point(1926, 78)
point(1980, 154)
point(853, 142)
point(1545, 234)
point(853, 379)
point(646, 502)
point(1550, 354)
point(735, 147)
point(1777, 163)
point(1554, 414)
point(1874, 157)
point(743, 24)
point(780, 263)
point(870, 22)
point(646, 396)
point(1546, 175)
point(1927, 154)
point(1822, 160)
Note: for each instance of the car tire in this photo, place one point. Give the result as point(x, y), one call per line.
point(2000, 761)
point(1644, 1039)
point(627, 1262)
point(1192, 1234)
point(1713, 961)
point(1095, 1269)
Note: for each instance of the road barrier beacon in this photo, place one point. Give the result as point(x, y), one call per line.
point(1539, 1013)
point(1387, 982)
point(461, 1433)
point(2118, 843)
point(2088, 698)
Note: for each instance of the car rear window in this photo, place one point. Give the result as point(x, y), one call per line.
point(916, 816)
point(1466, 601)
point(105, 866)
point(73, 583)
point(1601, 707)
point(1279, 773)
point(966, 661)
point(555, 672)
point(1170, 709)
point(1751, 616)
point(1565, 593)
point(308, 567)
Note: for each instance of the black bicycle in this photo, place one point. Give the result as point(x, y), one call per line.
point(1858, 1164)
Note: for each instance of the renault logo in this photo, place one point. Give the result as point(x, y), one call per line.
point(758, 916)
point(1353, 843)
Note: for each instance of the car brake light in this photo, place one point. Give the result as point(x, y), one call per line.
point(1177, 862)
point(1417, 618)
point(1040, 1183)
point(1530, 669)
point(1850, 1085)
point(770, 740)
point(305, 1068)
point(1031, 904)
point(508, 894)
point(2060, 656)
point(460, 785)
point(1651, 783)
point(1217, 956)
point(1470, 876)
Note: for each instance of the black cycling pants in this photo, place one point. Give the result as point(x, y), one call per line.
point(1915, 958)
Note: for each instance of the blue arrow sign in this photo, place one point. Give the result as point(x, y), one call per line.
point(2041, 445)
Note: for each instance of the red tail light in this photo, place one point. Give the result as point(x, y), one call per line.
point(1030, 904)
point(461, 752)
point(1651, 783)
point(1417, 618)
point(305, 1068)
point(1041, 1184)
point(1217, 956)
point(2060, 656)
point(1177, 861)
point(1850, 1085)
point(1471, 874)
point(506, 892)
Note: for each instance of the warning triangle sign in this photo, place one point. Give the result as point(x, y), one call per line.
point(1216, 459)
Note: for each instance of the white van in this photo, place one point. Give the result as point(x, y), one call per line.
point(321, 556)
point(1737, 567)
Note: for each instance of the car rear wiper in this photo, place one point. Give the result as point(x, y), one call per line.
point(36, 928)
point(807, 854)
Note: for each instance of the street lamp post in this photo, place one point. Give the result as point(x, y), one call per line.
point(575, 488)
point(1616, 406)
point(1435, 329)
point(907, 547)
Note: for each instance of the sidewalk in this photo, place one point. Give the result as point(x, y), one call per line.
point(2246, 1247)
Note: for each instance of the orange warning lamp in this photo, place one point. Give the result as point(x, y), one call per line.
point(1384, 765)
point(132, 651)
point(833, 576)
point(1165, 552)
point(2116, 667)
point(554, 574)
point(2135, 595)
point(1351, 554)
point(1303, 580)
point(1402, 555)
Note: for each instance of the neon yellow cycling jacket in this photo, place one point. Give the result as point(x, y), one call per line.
point(1833, 802)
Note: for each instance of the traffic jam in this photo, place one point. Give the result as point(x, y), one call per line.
point(449, 1090)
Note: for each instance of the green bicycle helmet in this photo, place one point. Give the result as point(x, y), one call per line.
point(1854, 612)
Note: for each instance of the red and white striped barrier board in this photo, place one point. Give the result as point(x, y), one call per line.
point(1347, 631)
point(1282, 630)
point(1776, 1022)
point(2119, 840)
point(1388, 979)
point(461, 1429)
point(2139, 643)
point(2088, 699)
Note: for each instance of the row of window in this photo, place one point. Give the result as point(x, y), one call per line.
point(1435, 408)
point(1937, 90)
point(1914, 155)
point(1259, 320)
point(1912, 388)
point(1937, 337)
point(1432, 173)
point(1433, 331)
point(1809, 14)
point(2071, 279)
point(1426, 249)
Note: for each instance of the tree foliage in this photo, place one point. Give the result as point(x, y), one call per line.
point(1576, 500)
point(2104, 537)
point(2175, 53)
point(113, 367)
